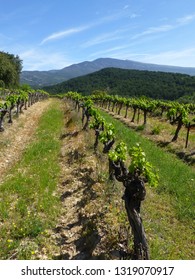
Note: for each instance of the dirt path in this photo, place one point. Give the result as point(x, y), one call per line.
point(17, 136)
point(77, 188)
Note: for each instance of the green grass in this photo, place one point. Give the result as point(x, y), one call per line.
point(176, 177)
point(28, 200)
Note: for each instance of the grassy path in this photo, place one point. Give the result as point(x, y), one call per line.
point(28, 204)
point(17, 135)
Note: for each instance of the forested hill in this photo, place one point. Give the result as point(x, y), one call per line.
point(37, 79)
point(123, 82)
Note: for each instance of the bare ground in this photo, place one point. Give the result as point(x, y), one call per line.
point(81, 231)
point(75, 235)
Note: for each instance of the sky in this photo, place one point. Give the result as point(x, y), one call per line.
point(53, 34)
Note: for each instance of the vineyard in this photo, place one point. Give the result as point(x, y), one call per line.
point(92, 185)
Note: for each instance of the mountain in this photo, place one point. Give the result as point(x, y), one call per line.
point(159, 85)
point(51, 77)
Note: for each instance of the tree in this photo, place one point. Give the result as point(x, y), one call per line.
point(10, 69)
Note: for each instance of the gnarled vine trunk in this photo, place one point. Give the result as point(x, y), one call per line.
point(134, 194)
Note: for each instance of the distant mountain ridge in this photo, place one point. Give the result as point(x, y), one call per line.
point(51, 77)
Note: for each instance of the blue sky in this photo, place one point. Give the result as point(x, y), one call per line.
point(52, 34)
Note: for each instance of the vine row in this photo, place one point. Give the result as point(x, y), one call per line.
point(18, 99)
point(133, 177)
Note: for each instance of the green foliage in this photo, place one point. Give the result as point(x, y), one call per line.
point(10, 69)
point(190, 98)
point(119, 153)
point(142, 166)
point(157, 85)
point(108, 134)
point(12, 98)
point(25, 87)
point(98, 120)
point(156, 130)
point(179, 110)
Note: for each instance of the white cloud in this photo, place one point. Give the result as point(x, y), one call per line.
point(64, 33)
point(154, 30)
point(134, 16)
point(103, 38)
point(185, 20)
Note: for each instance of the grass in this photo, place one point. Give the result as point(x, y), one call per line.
point(176, 177)
point(28, 204)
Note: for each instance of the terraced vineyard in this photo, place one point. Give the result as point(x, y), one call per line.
point(70, 192)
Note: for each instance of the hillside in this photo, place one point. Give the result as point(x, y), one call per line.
point(44, 78)
point(130, 83)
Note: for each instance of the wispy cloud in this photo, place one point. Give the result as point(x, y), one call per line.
point(108, 51)
point(75, 30)
point(112, 17)
point(64, 33)
point(154, 30)
point(103, 38)
point(186, 19)
point(165, 28)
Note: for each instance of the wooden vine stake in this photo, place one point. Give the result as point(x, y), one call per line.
point(187, 136)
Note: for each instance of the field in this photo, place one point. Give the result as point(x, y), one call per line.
point(56, 201)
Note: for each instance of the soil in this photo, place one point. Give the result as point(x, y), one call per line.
point(79, 233)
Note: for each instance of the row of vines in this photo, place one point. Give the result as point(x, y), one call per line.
point(18, 100)
point(133, 176)
point(177, 114)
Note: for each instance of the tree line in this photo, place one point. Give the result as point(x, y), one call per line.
point(10, 69)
